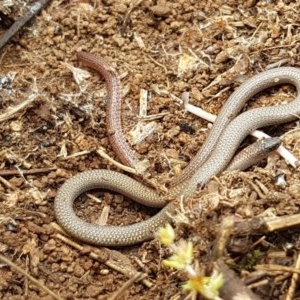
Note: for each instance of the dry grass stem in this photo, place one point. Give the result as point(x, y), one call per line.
point(123, 269)
point(10, 113)
point(29, 277)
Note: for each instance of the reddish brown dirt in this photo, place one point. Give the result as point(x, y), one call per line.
point(144, 41)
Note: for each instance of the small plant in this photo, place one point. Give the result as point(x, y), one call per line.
point(253, 259)
point(182, 259)
point(248, 262)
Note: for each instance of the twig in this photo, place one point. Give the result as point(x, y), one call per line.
point(80, 153)
point(7, 184)
point(4, 173)
point(123, 269)
point(259, 284)
point(32, 279)
point(127, 284)
point(279, 223)
point(34, 9)
point(277, 64)
point(12, 111)
point(294, 280)
point(103, 154)
point(263, 225)
point(274, 268)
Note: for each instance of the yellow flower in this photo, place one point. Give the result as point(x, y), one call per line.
point(166, 235)
point(183, 256)
point(208, 287)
